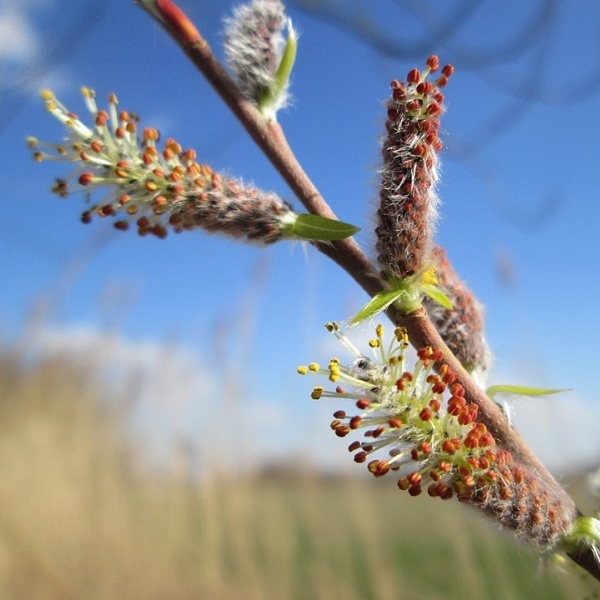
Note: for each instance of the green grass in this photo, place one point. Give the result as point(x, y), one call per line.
point(79, 520)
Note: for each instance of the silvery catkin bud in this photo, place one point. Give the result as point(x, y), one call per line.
point(259, 55)
point(408, 201)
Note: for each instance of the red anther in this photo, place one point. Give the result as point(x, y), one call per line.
point(377, 431)
point(392, 114)
point(84, 155)
point(433, 378)
point(403, 483)
point(398, 91)
point(519, 475)
point(444, 466)
point(120, 132)
point(433, 63)
point(143, 222)
point(360, 457)
point(425, 88)
point(464, 417)
point(449, 377)
point(367, 447)
point(168, 154)
point(436, 355)
point(395, 422)
point(457, 390)
point(414, 76)
point(426, 414)
point(342, 431)
point(97, 146)
point(107, 210)
point(124, 115)
point(354, 446)
point(468, 480)
point(434, 109)
point(175, 219)
point(121, 225)
point(448, 70)
point(86, 217)
point(414, 478)
point(131, 127)
point(438, 97)
point(432, 490)
point(413, 106)
point(438, 146)
point(487, 441)
point(456, 405)
point(471, 441)
point(158, 172)
point(441, 81)
point(372, 466)
point(335, 423)
point(439, 388)
point(86, 178)
point(414, 490)
point(400, 385)
point(414, 454)
point(435, 405)
point(355, 422)
point(124, 199)
point(423, 353)
point(340, 414)
point(102, 118)
point(426, 448)
point(151, 134)
point(339, 390)
point(189, 155)
point(382, 468)
point(363, 403)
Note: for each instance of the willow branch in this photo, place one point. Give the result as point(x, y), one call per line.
point(271, 139)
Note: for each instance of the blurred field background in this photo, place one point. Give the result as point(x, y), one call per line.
point(85, 515)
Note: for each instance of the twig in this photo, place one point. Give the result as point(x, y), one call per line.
point(270, 138)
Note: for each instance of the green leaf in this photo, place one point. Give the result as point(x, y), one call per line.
point(436, 295)
point(584, 533)
point(377, 303)
point(282, 75)
point(520, 390)
point(313, 227)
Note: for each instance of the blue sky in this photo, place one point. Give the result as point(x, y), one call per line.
point(520, 214)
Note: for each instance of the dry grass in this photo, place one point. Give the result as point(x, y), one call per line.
point(78, 520)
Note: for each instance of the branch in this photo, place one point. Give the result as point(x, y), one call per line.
point(270, 138)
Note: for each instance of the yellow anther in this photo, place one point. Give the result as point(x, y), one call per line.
point(401, 334)
point(334, 362)
point(314, 366)
point(374, 343)
point(87, 92)
point(429, 277)
point(46, 95)
point(32, 142)
point(317, 393)
point(379, 331)
point(303, 370)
